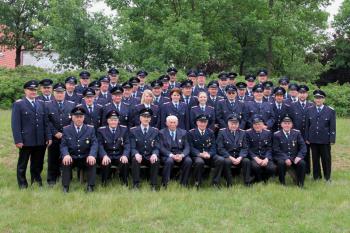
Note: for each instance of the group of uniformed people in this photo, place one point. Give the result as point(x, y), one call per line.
point(230, 126)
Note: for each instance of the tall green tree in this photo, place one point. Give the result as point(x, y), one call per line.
point(19, 19)
point(81, 39)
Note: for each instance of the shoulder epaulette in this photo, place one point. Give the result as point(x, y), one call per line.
point(19, 100)
point(99, 105)
point(221, 100)
point(296, 130)
point(249, 130)
point(107, 104)
point(191, 130)
point(194, 107)
point(222, 129)
point(69, 101)
point(276, 132)
point(155, 128)
point(133, 127)
point(166, 103)
point(90, 126)
point(78, 105)
point(331, 107)
point(210, 107)
point(123, 126)
point(66, 126)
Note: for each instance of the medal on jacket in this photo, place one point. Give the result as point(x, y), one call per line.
point(122, 141)
point(152, 144)
point(87, 141)
point(293, 143)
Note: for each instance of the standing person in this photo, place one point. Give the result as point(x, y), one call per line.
point(71, 94)
point(30, 134)
point(58, 113)
point(46, 90)
point(78, 149)
point(146, 102)
point(202, 108)
point(84, 81)
point(320, 134)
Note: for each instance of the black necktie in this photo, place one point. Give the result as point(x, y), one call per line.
point(287, 134)
point(318, 109)
point(113, 131)
point(186, 99)
point(302, 105)
point(60, 105)
point(105, 95)
point(176, 106)
point(279, 107)
point(232, 104)
point(90, 109)
point(144, 131)
point(78, 130)
point(34, 105)
point(203, 109)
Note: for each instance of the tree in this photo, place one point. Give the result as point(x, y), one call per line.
point(19, 19)
point(81, 39)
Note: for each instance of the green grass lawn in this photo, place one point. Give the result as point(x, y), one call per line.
point(320, 207)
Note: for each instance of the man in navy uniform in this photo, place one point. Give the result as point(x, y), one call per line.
point(71, 94)
point(203, 151)
point(241, 92)
point(280, 108)
point(135, 81)
point(142, 74)
point(258, 107)
point(84, 81)
point(229, 106)
point(58, 114)
point(284, 82)
point(30, 133)
point(113, 75)
point(259, 142)
point(250, 81)
point(292, 93)
point(201, 78)
point(96, 85)
point(117, 104)
point(46, 90)
point(93, 110)
point(213, 98)
point(78, 149)
point(144, 142)
point(104, 89)
point(166, 86)
point(114, 147)
point(289, 150)
point(174, 149)
point(298, 114)
point(262, 76)
point(232, 146)
point(127, 94)
point(172, 71)
point(267, 94)
point(175, 108)
point(223, 82)
point(159, 100)
point(320, 134)
point(232, 78)
point(187, 96)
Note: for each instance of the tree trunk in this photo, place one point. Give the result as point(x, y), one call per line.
point(269, 43)
point(18, 56)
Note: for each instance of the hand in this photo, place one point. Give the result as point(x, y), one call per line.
point(19, 145)
point(297, 160)
point(58, 135)
point(106, 160)
point(288, 162)
point(67, 160)
point(48, 142)
point(258, 161)
point(153, 159)
point(178, 157)
point(239, 159)
point(307, 142)
point(138, 158)
point(207, 155)
point(264, 162)
point(91, 160)
point(124, 159)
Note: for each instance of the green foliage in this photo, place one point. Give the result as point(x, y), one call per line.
point(83, 40)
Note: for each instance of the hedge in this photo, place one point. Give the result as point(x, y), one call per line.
point(12, 80)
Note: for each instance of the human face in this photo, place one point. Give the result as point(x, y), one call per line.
point(148, 99)
point(258, 95)
point(231, 95)
point(117, 98)
point(59, 95)
point(202, 125)
point(319, 101)
point(172, 77)
point(78, 120)
point(127, 92)
point(30, 93)
point(113, 122)
point(279, 98)
point(172, 124)
point(89, 100)
point(46, 90)
point(258, 126)
point(84, 81)
point(303, 96)
point(287, 126)
point(175, 97)
point(233, 125)
point(241, 92)
point(114, 78)
point(157, 91)
point(145, 120)
point(70, 87)
point(250, 84)
point(202, 98)
point(104, 87)
point(213, 91)
point(262, 78)
point(201, 80)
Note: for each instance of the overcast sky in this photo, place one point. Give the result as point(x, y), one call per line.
point(101, 6)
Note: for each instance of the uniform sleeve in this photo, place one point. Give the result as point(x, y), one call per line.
point(186, 150)
point(64, 144)
point(271, 121)
point(244, 149)
point(212, 150)
point(156, 145)
point(220, 145)
point(269, 147)
point(101, 149)
point(16, 123)
point(219, 115)
point(133, 146)
point(126, 139)
point(244, 117)
point(276, 149)
point(194, 152)
point(302, 146)
point(332, 127)
point(52, 130)
point(307, 125)
point(163, 149)
point(94, 143)
point(192, 119)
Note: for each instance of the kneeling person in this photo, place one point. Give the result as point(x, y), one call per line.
point(203, 151)
point(144, 141)
point(78, 148)
point(232, 146)
point(114, 147)
point(289, 150)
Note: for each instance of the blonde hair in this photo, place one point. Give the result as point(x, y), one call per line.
point(146, 92)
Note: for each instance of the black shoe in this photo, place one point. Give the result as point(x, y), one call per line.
point(228, 185)
point(40, 183)
point(154, 188)
point(197, 185)
point(23, 186)
point(65, 189)
point(90, 189)
point(136, 186)
point(165, 185)
point(216, 186)
point(51, 184)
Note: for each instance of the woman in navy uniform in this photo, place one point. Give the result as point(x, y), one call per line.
point(144, 141)
point(232, 146)
point(175, 108)
point(203, 151)
point(146, 102)
point(289, 150)
point(260, 150)
point(58, 113)
point(320, 134)
point(114, 147)
point(174, 149)
point(31, 134)
point(78, 149)
point(202, 108)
